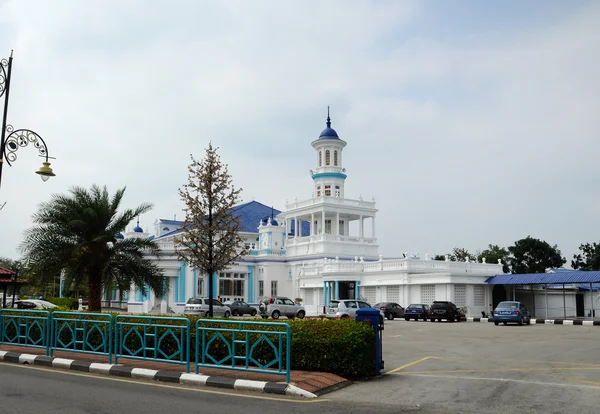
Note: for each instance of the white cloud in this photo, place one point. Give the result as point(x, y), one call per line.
point(480, 138)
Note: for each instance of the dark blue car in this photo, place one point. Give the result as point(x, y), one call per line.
point(416, 311)
point(511, 311)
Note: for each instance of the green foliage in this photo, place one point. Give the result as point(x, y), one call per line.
point(343, 347)
point(493, 253)
point(77, 233)
point(66, 303)
point(530, 255)
point(588, 259)
point(210, 239)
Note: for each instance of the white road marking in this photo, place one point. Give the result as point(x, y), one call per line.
point(556, 384)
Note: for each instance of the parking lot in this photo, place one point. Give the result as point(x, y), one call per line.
point(478, 367)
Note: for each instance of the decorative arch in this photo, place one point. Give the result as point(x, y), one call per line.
point(320, 158)
point(335, 158)
point(327, 157)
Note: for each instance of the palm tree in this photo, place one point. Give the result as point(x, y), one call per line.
point(77, 233)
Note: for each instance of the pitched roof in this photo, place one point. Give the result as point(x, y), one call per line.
point(566, 277)
point(5, 271)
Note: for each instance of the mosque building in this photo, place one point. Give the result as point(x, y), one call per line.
point(315, 250)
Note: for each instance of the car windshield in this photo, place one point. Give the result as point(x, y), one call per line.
point(194, 301)
point(440, 305)
point(414, 306)
point(334, 304)
point(229, 303)
point(508, 305)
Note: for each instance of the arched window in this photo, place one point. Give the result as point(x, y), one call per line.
point(327, 157)
point(320, 159)
point(335, 158)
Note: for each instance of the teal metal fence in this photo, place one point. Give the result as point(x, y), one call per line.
point(243, 346)
point(161, 339)
point(226, 344)
point(88, 333)
point(25, 328)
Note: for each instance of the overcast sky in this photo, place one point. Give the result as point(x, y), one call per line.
point(470, 122)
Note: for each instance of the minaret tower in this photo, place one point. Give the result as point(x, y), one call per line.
point(329, 177)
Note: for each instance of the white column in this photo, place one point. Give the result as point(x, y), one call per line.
point(360, 228)
point(337, 224)
point(295, 227)
point(323, 222)
point(300, 227)
point(373, 233)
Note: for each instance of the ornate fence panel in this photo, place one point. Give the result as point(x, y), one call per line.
point(161, 339)
point(88, 333)
point(243, 346)
point(25, 328)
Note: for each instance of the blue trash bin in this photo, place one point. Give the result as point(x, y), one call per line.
point(373, 316)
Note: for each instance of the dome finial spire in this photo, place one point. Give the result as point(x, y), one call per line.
point(328, 118)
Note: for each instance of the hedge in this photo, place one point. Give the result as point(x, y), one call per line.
point(342, 347)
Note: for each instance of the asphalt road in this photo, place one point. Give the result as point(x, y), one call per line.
point(471, 367)
point(26, 390)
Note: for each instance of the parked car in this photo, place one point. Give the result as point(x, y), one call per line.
point(416, 311)
point(200, 306)
point(444, 310)
point(34, 304)
point(346, 309)
point(511, 311)
point(240, 308)
point(276, 306)
point(391, 310)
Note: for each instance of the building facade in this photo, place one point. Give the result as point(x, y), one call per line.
point(315, 250)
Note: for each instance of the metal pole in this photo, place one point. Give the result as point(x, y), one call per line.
point(546, 290)
point(5, 114)
point(592, 301)
point(514, 295)
point(15, 276)
point(564, 302)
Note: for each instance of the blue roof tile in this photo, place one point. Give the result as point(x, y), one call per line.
point(566, 276)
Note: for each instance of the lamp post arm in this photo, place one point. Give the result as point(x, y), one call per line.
point(18, 138)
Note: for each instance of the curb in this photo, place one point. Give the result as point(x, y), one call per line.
point(546, 321)
point(151, 374)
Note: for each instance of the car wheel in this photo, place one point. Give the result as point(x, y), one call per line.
point(253, 313)
point(496, 323)
point(407, 319)
point(505, 323)
point(235, 312)
point(380, 320)
point(390, 316)
point(521, 322)
point(301, 314)
point(529, 321)
point(275, 314)
point(432, 320)
point(227, 314)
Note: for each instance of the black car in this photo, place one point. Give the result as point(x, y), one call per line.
point(444, 310)
point(391, 310)
point(240, 308)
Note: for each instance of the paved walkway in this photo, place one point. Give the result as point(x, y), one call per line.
point(314, 382)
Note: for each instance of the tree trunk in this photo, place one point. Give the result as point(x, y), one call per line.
point(94, 301)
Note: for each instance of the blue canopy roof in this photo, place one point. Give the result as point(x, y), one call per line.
point(564, 276)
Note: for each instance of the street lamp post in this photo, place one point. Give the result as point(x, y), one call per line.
point(18, 138)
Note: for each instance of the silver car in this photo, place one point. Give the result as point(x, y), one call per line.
point(200, 306)
point(277, 306)
point(346, 309)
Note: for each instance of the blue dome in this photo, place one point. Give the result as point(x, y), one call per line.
point(329, 133)
point(119, 236)
point(138, 229)
point(274, 222)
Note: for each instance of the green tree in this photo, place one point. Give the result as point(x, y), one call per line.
point(210, 239)
point(77, 233)
point(588, 259)
point(494, 253)
point(530, 255)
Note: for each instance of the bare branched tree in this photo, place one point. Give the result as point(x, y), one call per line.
point(210, 239)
